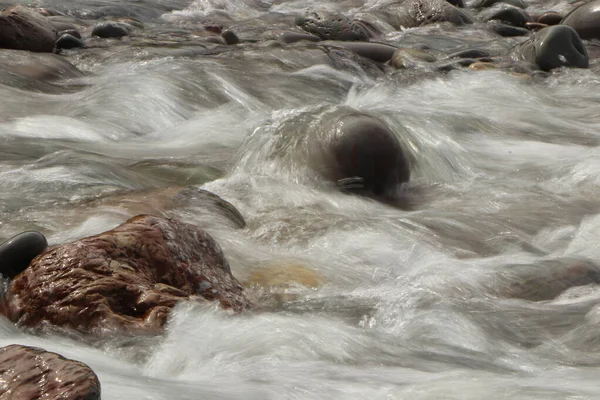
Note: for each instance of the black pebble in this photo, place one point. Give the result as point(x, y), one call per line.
point(67, 41)
point(17, 252)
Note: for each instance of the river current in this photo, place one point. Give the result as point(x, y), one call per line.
point(412, 300)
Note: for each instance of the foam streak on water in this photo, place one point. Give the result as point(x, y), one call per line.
point(418, 302)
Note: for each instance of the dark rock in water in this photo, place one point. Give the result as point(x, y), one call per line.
point(72, 32)
point(550, 18)
point(414, 13)
point(111, 30)
point(553, 47)
point(510, 15)
point(470, 53)
point(230, 38)
point(17, 252)
point(367, 156)
point(585, 20)
point(457, 3)
point(489, 3)
point(31, 373)
point(293, 37)
point(127, 279)
point(37, 66)
point(67, 41)
point(508, 30)
point(22, 28)
point(347, 60)
point(377, 52)
point(330, 26)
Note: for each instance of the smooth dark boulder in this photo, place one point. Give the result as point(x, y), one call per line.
point(331, 26)
point(230, 38)
point(377, 52)
point(585, 20)
point(125, 280)
point(511, 16)
point(508, 30)
point(553, 47)
point(111, 29)
point(67, 41)
point(31, 373)
point(293, 37)
point(550, 18)
point(22, 28)
point(17, 252)
point(366, 156)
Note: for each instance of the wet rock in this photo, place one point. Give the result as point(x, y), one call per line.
point(508, 30)
point(511, 16)
point(22, 28)
point(535, 26)
point(455, 64)
point(407, 58)
point(377, 52)
point(347, 60)
point(414, 13)
point(293, 37)
point(37, 66)
point(550, 18)
point(548, 281)
point(111, 29)
point(366, 156)
point(72, 32)
point(126, 279)
point(585, 20)
point(553, 47)
point(457, 3)
point(31, 373)
point(489, 3)
point(331, 26)
point(67, 41)
point(17, 252)
point(469, 53)
point(230, 38)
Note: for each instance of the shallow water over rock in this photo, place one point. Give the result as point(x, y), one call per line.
point(477, 278)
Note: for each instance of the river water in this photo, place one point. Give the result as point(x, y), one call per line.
point(415, 299)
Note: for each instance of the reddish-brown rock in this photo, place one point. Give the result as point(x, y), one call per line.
point(22, 28)
point(30, 373)
point(126, 279)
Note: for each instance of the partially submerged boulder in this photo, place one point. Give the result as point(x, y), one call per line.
point(31, 373)
point(126, 279)
point(22, 28)
point(415, 13)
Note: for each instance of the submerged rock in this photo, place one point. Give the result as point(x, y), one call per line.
point(22, 28)
point(553, 47)
point(31, 373)
point(17, 252)
point(585, 20)
point(68, 41)
point(550, 18)
point(111, 29)
point(126, 279)
point(366, 157)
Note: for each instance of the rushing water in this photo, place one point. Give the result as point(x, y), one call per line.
point(414, 300)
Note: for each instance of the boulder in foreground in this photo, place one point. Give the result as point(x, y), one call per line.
point(22, 28)
point(31, 373)
point(124, 280)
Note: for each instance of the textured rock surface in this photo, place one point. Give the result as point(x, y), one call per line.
point(126, 279)
point(24, 29)
point(30, 373)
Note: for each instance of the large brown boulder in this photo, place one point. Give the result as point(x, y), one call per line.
point(22, 28)
point(30, 373)
point(126, 279)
